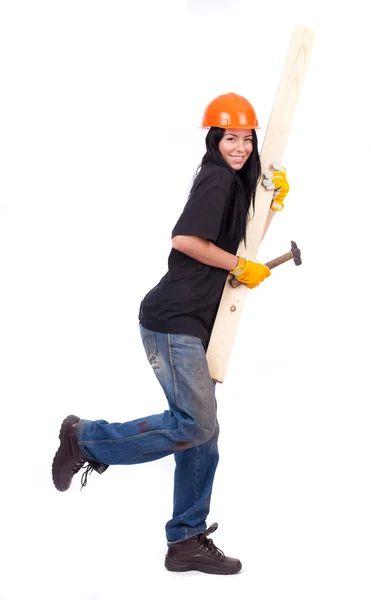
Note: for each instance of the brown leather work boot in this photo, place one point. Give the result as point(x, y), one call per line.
point(68, 459)
point(199, 553)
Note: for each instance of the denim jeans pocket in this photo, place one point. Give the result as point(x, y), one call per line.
point(188, 351)
point(150, 346)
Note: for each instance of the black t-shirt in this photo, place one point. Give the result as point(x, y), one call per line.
point(186, 300)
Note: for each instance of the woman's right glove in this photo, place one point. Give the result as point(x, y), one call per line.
point(250, 273)
point(277, 181)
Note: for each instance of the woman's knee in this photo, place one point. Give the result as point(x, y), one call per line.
point(204, 428)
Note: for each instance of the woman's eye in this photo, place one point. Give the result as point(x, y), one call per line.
point(230, 139)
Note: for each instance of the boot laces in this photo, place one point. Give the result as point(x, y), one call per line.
point(78, 465)
point(210, 546)
point(84, 476)
point(88, 469)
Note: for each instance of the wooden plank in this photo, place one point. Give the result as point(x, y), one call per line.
point(232, 301)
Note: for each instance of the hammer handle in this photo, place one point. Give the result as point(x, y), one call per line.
point(271, 265)
point(279, 260)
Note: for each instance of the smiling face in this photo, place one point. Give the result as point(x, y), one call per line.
point(236, 146)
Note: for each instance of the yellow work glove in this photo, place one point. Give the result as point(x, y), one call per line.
point(276, 180)
point(249, 272)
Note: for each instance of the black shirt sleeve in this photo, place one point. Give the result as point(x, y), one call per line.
point(203, 214)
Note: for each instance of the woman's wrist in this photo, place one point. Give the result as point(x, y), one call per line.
point(237, 259)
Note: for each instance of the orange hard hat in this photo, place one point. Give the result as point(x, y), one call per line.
point(230, 111)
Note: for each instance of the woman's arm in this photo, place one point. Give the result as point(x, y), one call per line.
point(205, 252)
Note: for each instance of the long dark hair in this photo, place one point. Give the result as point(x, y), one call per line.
point(246, 180)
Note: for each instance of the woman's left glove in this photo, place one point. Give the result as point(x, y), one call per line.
point(250, 272)
point(276, 180)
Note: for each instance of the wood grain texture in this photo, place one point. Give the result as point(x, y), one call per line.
point(275, 140)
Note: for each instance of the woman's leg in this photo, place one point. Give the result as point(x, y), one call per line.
point(180, 365)
point(193, 482)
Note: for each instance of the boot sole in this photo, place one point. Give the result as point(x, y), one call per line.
point(181, 567)
point(67, 421)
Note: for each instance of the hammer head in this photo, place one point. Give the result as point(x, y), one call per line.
point(296, 253)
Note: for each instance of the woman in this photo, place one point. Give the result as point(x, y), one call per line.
point(176, 319)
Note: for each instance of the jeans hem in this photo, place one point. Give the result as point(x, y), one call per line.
point(83, 449)
point(187, 537)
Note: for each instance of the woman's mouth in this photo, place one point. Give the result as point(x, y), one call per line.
point(237, 158)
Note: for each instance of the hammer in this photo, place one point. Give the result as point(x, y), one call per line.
point(294, 254)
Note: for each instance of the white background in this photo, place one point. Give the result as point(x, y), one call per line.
point(101, 104)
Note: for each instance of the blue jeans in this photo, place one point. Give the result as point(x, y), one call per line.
point(189, 430)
